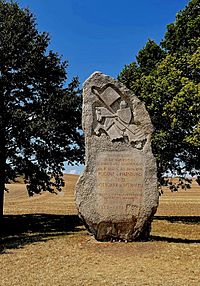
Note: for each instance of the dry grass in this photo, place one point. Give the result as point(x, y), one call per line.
point(18, 202)
point(50, 247)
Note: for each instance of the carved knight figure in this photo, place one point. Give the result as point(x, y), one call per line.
point(118, 125)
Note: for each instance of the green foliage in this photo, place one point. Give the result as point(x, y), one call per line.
point(168, 82)
point(40, 116)
point(149, 56)
point(183, 35)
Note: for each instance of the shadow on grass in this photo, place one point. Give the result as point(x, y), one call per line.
point(177, 219)
point(174, 239)
point(17, 231)
point(180, 219)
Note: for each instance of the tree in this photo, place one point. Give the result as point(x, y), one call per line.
point(182, 36)
point(40, 115)
point(166, 78)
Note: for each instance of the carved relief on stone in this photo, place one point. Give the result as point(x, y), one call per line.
point(116, 124)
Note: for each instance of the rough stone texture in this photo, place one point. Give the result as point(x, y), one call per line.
point(117, 193)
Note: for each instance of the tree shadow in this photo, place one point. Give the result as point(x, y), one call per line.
point(180, 219)
point(194, 220)
point(17, 231)
point(173, 239)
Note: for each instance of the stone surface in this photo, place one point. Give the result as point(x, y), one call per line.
point(117, 193)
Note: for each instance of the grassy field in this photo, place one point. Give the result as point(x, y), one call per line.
point(44, 243)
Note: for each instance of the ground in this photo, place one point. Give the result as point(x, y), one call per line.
point(44, 243)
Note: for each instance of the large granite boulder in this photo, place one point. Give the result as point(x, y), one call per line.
point(117, 193)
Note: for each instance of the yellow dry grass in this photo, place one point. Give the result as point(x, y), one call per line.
point(50, 247)
point(17, 200)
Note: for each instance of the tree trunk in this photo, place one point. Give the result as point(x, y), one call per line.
point(2, 172)
point(2, 184)
point(2, 148)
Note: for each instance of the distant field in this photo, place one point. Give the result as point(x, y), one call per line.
point(181, 203)
point(45, 244)
point(17, 201)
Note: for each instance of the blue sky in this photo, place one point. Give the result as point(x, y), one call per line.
point(101, 35)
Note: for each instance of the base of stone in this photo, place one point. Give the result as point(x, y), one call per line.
point(119, 232)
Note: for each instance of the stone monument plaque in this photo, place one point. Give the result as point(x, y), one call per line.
point(117, 193)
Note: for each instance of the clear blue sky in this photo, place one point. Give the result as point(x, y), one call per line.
point(102, 35)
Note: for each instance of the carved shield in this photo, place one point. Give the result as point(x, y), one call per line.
point(109, 96)
point(125, 115)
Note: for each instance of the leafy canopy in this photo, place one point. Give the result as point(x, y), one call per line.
point(166, 77)
point(40, 115)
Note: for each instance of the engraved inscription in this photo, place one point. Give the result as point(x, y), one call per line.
point(119, 182)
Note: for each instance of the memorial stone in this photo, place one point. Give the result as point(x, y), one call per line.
point(117, 193)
